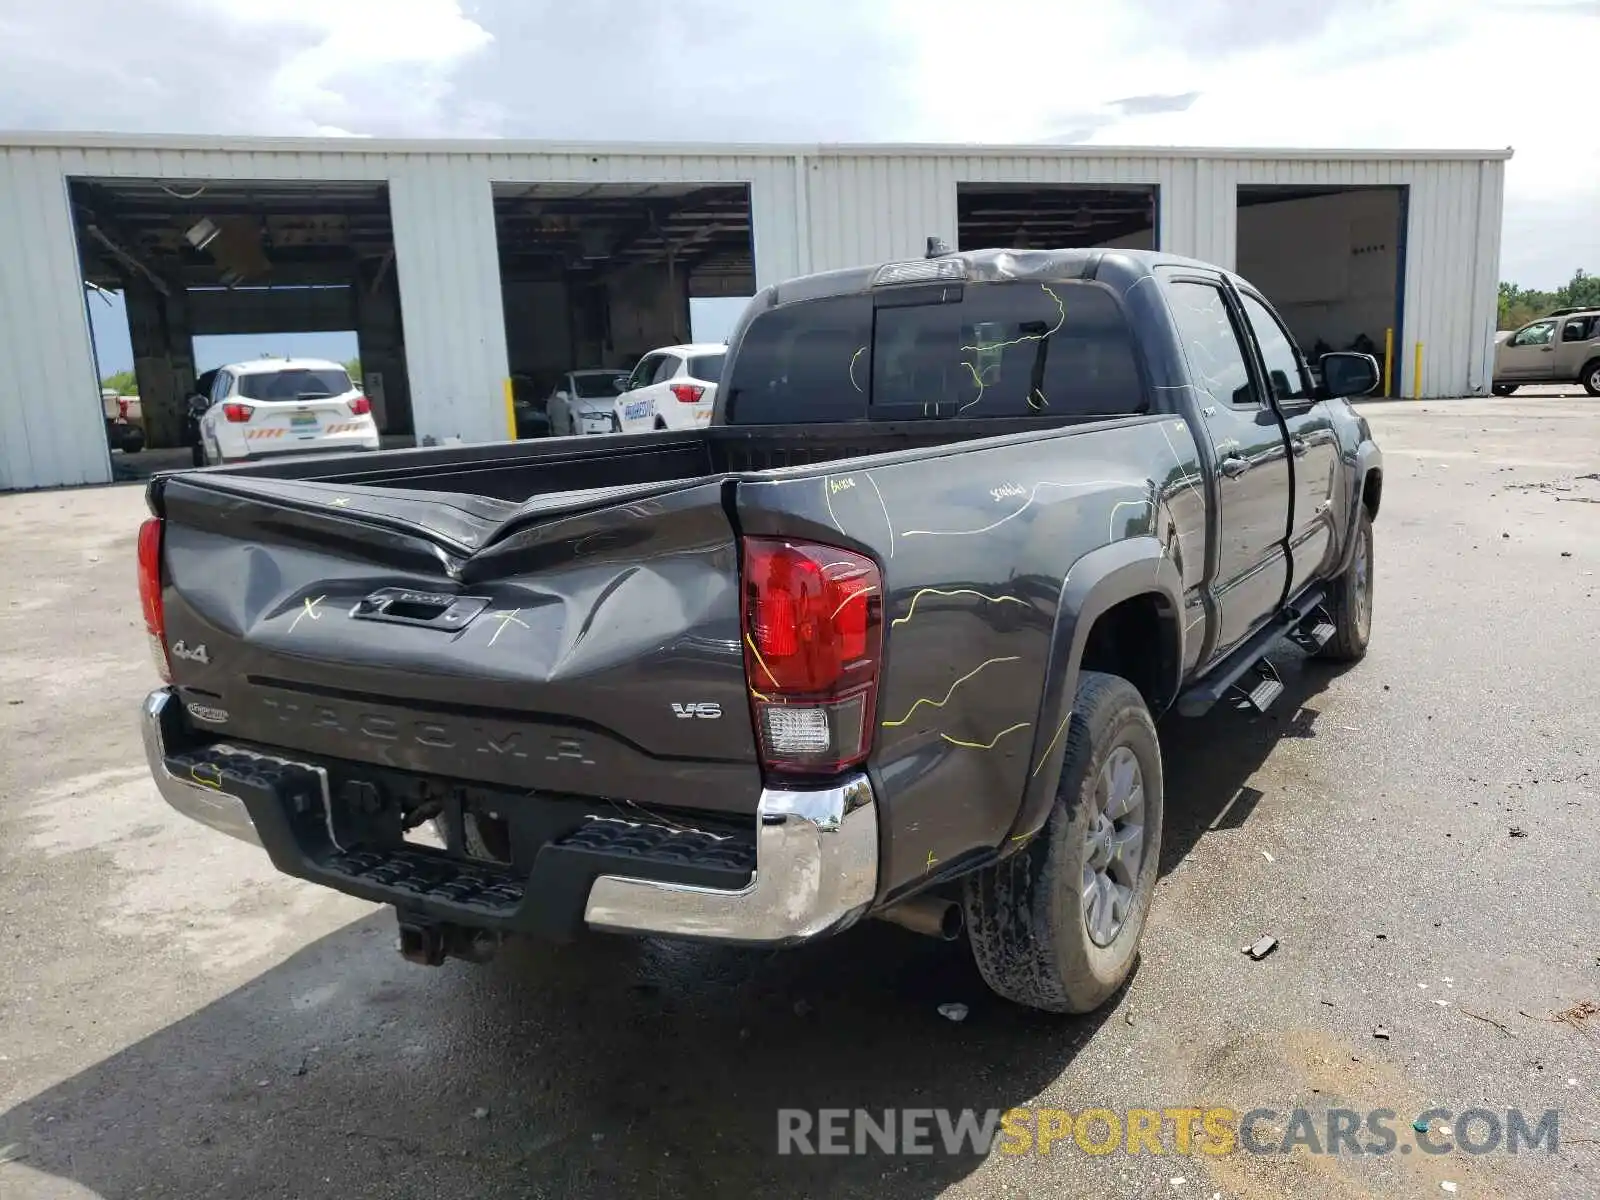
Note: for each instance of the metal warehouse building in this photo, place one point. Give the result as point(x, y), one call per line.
point(468, 269)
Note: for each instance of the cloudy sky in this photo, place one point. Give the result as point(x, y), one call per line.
point(1319, 73)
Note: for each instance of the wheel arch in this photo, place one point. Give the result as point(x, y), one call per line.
point(1120, 611)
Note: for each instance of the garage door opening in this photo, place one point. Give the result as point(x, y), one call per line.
point(278, 266)
point(1054, 216)
point(1332, 261)
point(595, 276)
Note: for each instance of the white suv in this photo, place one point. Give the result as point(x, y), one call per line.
point(671, 388)
point(284, 406)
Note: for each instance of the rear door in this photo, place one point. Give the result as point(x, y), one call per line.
point(1313, 444)
point(1529, 353)
point(294, 406)
point(1252, 458)
point(1574, 345)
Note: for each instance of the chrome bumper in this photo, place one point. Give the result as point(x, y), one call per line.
point(816, 859)
point(207, 805)
point(816, 871)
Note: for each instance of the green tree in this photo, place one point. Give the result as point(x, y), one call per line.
point(1520, 305)
point(353, 369)
point(123, 383)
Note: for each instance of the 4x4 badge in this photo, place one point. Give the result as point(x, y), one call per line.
point(198, 654)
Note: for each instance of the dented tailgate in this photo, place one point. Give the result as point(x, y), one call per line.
point(586, 643)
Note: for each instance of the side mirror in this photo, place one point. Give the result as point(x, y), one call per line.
point(1347, 373)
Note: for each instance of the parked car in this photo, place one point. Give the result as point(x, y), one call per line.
point(671, 388)
point(275, 406)
point(888, 639)
point(585, 402)
point(1561, 348)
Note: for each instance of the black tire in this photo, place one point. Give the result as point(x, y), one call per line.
point(1503, 389)
point(1350, 601)
point(1026, 916)
point(1590, 377)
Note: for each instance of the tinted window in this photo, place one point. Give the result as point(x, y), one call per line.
point(809, 361)
point(1008, 350)
point(668, 368)
point(1210, 342)
point(997, 350)
point(707, 367)
point(597, 387)
point(294, 384)
point(1278, 351)
point(1578, 329)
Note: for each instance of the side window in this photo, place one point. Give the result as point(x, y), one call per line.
point(1278, 352)
point(1578, 329)
point(668, 368)
point(643, 371)
point(1211, 343)
point(219, 389)
point(1538, 334)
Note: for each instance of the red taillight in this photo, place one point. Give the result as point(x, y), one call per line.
point(236, 412)
point(813, 630)
point(360, 406)
point(155, 620)
point(688, 393)
point(122, 409)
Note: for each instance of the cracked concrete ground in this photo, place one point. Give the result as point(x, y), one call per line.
point(177, 1020)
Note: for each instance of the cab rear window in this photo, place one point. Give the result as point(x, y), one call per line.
point(1014, 349)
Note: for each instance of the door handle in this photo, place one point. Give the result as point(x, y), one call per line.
point(1233, 466)
point(1298, 445)
point(1547, 349)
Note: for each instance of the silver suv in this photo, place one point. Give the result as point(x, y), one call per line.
point(1561, 348)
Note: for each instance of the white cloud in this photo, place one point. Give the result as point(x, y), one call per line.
point(1316, 73)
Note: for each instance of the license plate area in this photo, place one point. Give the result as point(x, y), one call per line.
point(304, 422)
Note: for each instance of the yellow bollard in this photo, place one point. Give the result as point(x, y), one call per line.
point(1388, 362)
point(511, 413)
point(1416, 378)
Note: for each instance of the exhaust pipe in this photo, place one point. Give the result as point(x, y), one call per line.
point(927, 915)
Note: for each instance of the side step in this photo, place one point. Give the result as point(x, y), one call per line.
point(1302, 622)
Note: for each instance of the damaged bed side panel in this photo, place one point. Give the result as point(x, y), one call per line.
point(581, 655)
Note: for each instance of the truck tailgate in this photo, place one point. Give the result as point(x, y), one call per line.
point(585, 644)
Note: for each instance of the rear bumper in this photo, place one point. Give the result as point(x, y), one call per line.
point(813, 871)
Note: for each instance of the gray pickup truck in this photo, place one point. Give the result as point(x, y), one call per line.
point(886, 640)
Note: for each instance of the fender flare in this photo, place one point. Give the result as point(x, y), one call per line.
point(1368, 459)
point(1095, 583)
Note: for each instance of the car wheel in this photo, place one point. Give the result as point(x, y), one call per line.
point(1056, 926)
point(1591, 377)
point(1350, 601)
point(1503, 389)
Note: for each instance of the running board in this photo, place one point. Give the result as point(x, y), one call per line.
point(1251, 654)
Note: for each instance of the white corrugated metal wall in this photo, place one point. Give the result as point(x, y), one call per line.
point(813, 208)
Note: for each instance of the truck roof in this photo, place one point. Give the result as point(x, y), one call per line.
point(983, 266)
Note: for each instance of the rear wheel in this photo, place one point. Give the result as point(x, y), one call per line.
point(1591, 377)
point(1057, 925)
point(1503, 389)
point(1350, 601)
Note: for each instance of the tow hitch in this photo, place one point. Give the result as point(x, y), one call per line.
point(428, 943)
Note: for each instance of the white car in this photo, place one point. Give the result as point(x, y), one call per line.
point(284, 406)
point(671, 388)
point(585, 402)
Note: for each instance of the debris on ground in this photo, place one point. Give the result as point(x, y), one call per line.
point(1447, 1185)
point(1518, 831)
point(953, 1012)
point(1262, 948)
point(479, 1114)
point(1487, 1021)
point(1577, 1015)
point(1381, 1033)
point(1268, 857)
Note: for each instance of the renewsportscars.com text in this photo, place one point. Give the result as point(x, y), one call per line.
point(1211, 1131)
